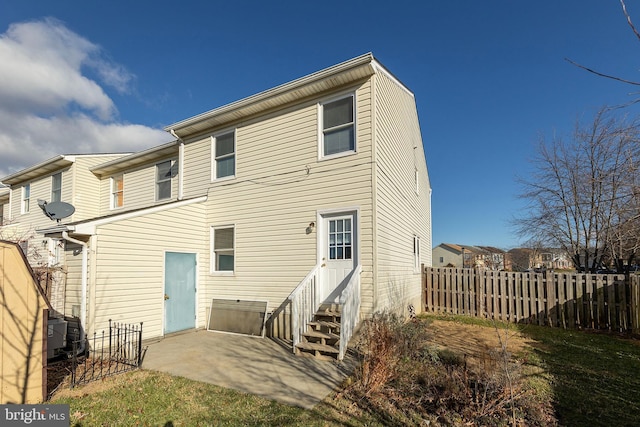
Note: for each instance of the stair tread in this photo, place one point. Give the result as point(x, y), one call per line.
point(317, 347)
point(318, 334)
point(325, 323)
point(328, 313)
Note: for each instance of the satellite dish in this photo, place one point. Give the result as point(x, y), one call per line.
point(56, 210)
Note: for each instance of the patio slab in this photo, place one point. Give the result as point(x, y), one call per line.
point(253, 365)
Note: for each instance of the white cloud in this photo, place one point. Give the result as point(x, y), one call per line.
point(50, 107)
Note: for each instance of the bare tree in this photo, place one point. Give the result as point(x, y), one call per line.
point(582, 193)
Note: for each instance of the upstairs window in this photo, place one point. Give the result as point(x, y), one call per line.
point(56, 187)
point(223, 249)
point(117, 191)
point(338, 127)
point(164, 175)
point(1, 215)
point(224, 155)
point(26, 197)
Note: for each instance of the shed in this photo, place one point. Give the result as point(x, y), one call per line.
point(23, 319)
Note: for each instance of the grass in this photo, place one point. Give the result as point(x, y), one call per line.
point(594, 376)
point(146, 398)
point(590, 379)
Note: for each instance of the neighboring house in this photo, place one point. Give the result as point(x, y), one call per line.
point(545, 258)
point(469, 256)
point(320, 182)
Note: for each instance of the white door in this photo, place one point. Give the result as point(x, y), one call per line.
point(339, 254)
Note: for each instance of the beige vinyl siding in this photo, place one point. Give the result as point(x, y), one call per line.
point(279, 188)
point(400, 212)
point(197, 167)
point(86, 187)
point(129, 284)
point(139, 188)
point(73, 286)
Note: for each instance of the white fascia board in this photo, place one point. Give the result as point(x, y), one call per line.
point(382, 70)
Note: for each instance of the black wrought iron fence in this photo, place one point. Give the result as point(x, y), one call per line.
point(107, 354)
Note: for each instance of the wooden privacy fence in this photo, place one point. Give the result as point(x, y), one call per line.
point(597, 301)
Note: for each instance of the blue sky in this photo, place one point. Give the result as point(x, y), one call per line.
point(489, 77)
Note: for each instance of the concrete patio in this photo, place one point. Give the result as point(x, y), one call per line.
point(253, 365)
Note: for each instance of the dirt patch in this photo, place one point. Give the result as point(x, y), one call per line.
point(480, 345)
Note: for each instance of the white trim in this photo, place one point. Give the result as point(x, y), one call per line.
point(90, 227)
point(213, 140)
point(53, 175)
point(318, 76)
point(112, 201)
point(379, 68)
point(320, 124)
point(181, 170)
point(24, 211)
point(212, 254)
point(321, 232)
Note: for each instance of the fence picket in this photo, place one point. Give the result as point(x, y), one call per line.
point(563, 299)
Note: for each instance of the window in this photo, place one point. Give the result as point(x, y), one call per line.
point(340, 234)
point(1, 215)
point(224, 154)
point(26, 196)
point(164, 174)
point(117, 191)
point(56, 187)
point(338, 129)
point(416, 253)
point(441, 260)
point(223, 249)
point(54, 249)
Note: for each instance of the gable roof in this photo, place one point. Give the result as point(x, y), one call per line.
point(136, 159)
point(321, 81)
point(44, 168)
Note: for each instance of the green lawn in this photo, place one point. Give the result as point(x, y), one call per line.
point(591, 378)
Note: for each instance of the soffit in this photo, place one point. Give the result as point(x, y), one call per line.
point(322, 81)
point(137, 159)
point(41, 169)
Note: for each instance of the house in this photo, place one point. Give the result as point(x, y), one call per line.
point(540, 258)
point(313, 192)
point(469, 256)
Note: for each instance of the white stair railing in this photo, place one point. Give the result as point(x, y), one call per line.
point(305, 301)
point(350, 304)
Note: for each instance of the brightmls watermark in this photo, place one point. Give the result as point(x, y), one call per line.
point(34, 415)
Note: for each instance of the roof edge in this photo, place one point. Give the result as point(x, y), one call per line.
point(358, 61)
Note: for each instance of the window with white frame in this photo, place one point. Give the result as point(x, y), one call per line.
point(164, 174)
point(117, 191)
point(223, 249)
point(416, 253)
point(1, 215)
point(26, 197)
point(338, 126)
point(224, 155)
point(54, 249)
point(56, 187)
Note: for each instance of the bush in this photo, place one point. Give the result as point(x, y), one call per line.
point(407, 379)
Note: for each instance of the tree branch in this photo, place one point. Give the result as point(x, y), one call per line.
point(624, 9)
point(601, 74)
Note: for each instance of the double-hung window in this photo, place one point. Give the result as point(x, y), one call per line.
point(117, 191)
point(338, 127)
point(56, 187)
point(164, 174)
point(26, 197)
point(224, 155)
point(223, 249)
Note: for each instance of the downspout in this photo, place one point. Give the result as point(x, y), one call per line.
point(83, 301)
point(180, 164)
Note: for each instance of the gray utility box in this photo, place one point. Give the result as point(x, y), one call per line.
point(56, 336)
